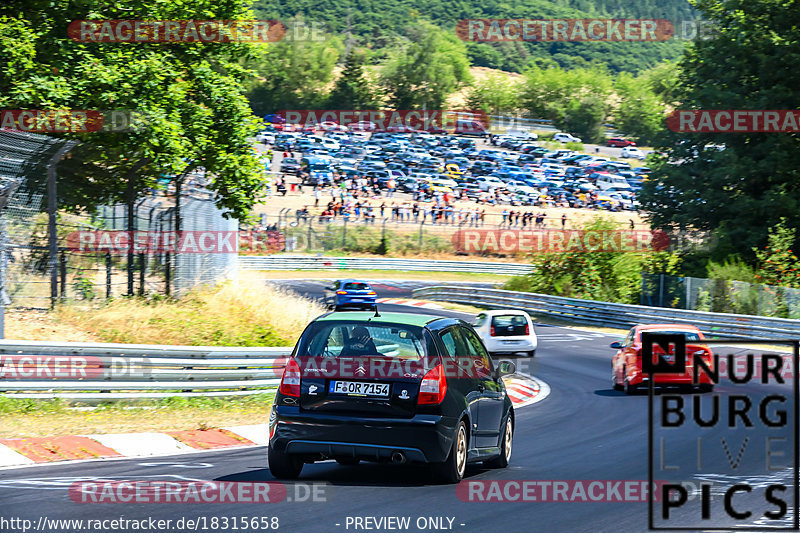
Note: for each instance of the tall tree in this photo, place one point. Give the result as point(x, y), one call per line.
point(575, 100)
point(353, 89)
point(426, 71)
point(495, 94)
point(736, 185)
point(294, 73)
point(189, 95)
point(640, 112)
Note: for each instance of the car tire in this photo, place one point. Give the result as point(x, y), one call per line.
point(348, 461)
point(531, 353)
point(283, 465)
point(614, 384)
point(453, 468)
point(630, 389)
point(502, 460)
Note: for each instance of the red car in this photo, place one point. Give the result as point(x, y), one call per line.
point(619, 142)
point(627, 375)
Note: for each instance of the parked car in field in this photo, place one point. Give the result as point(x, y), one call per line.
point(350, 293)
point(448, 407)
point(632, 153)
point(626, 366)
point(290, 165)
point(507, 331)
point(619, 142)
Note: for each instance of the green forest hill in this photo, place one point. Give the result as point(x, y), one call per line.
point(378, 25)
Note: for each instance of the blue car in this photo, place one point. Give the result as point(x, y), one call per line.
point(350, 293)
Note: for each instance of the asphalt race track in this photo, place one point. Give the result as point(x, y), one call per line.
point(582, 431)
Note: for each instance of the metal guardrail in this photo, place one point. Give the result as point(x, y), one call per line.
point(289, 262)
point(615, 315)
point(94, 372)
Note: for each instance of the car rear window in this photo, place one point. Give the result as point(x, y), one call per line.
point(690, 335)
point(365, 339)
point(507, 325)
point(355, 286)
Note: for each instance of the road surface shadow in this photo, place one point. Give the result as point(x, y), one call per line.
point(364, 475)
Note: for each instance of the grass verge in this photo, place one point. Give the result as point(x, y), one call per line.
point(49, 418)
point(243, 313)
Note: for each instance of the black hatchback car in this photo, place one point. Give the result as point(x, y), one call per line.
point(391, 388)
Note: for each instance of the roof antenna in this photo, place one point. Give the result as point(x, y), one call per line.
point(377, 314)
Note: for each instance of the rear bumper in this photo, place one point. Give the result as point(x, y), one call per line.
point(667, 379)
point(423, 438)
point(496, 344)
point(363, 301)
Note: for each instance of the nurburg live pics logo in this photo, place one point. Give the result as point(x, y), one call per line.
point(741, 444)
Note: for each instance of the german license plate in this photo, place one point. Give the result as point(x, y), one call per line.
point(359, 388)
point(510, 342)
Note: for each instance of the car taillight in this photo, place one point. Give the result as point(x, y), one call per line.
point(492, 331)
point(290, 382)
point(433, 386)
point(371, 293)
point(341, 292)
point(527, 329)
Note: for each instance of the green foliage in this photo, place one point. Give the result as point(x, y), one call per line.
point(777, 264)
point(605, 276)
point(293, 73)
point(188, 95)
point(738, 193)
point(379, 24)
point(84, 287)
point(353, 89)
point(426, 71)
point(733, 268)
point(577, 101)
point(494, 94)
point(12, 406)
point(640, 113)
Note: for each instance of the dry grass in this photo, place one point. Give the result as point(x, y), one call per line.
point(42, 326)
point(239, 313)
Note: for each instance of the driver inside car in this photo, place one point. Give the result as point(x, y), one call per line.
point(359, 343)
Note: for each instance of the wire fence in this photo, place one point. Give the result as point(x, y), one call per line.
point(162, 243)
point(720, 296)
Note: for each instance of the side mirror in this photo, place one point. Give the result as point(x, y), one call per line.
point(504, 368)
point(616, 345)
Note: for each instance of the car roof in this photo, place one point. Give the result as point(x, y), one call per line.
point(668, 327)
point(411, 319)
point(349, 280)
point(495, 312)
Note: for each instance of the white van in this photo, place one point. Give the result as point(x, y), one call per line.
point(612, 180)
